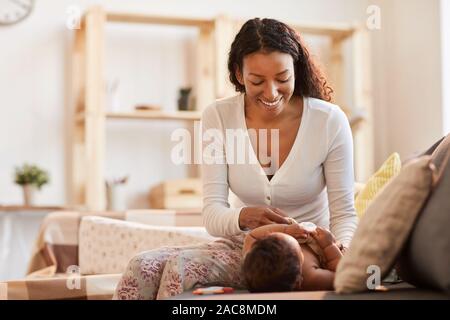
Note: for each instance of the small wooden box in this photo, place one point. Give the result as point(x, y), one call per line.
point(177, 194)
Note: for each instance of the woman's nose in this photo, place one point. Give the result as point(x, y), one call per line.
point(271, 92)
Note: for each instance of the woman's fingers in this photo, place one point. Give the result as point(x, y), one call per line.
point(271, 215)
point(303, 233)
point(279, 211)
point(267, 221)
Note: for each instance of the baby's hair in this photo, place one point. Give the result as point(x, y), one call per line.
point(272, 265)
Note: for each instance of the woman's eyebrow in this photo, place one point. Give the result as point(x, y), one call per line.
point(258, 75)
point(280, 73)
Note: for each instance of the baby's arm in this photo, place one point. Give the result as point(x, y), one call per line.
point(333, 255)
point(330, 249)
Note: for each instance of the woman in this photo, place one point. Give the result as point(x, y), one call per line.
point(305, 171)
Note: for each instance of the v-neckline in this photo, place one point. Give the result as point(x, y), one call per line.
point(293, 147)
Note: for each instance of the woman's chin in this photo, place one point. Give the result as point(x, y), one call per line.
point(271, 110)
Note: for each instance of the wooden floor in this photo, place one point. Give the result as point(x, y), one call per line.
point(399, 291)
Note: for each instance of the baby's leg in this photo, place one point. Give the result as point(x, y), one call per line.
point(141, 279)
point(220, 264)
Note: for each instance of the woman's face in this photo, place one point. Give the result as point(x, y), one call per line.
point(269, 81)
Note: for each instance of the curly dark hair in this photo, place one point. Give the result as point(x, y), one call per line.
point(271, 266)
point(270, 35)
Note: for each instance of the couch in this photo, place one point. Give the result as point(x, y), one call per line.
point(64, 264)
point(77, 256)
point(60, 267)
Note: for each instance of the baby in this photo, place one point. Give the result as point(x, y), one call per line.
point(280, 257)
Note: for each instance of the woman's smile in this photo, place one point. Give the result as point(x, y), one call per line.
point(271, 105)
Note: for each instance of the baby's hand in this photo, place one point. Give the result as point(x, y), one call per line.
point(297, 231)
point(323, 237)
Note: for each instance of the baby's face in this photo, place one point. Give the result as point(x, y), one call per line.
point(291, 241)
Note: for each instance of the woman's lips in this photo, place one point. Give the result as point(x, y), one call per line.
point(271, 105)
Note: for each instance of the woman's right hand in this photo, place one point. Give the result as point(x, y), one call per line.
point(253, 217)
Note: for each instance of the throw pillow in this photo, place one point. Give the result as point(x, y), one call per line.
point(425, 259)
point(385, 226)
point(390, 168)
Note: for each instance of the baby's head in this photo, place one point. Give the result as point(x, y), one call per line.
point(274, 264)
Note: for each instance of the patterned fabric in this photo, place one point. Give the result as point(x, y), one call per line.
point(56, 247)
point(168, 271)
point(106, 245)
point(389, 169)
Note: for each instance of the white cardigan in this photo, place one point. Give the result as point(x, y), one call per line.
point(315, 183)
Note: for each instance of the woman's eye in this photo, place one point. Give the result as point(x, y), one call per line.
point(261, 82)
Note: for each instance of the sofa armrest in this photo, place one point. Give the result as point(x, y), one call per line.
point(56, 247)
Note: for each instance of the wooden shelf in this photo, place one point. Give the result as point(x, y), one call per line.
point(33, 208)
point(338, 32)
point(161, 20)
point(209, 74)
point(149, 115)
point(159, 115)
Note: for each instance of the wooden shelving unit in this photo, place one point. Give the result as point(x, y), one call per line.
point(14, 208)
point(86, 162)
point(149, 115)
point(157, 115)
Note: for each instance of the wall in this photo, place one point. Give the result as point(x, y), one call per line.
point(407, 77)
point(445, 59)
point(34, 75)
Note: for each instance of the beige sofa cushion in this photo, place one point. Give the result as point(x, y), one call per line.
point(106, 245)
point(385, 226)
point(425, 258)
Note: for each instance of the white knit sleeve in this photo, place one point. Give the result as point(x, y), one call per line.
point(218, 218)
point(339, 177)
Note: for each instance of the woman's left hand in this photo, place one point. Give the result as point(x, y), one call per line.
point(297, 231)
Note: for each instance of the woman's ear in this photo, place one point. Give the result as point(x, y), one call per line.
point(239, 76)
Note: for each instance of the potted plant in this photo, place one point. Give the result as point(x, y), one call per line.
point(31, 178)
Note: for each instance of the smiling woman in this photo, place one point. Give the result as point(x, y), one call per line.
point(283, 89)
point(309, 176)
